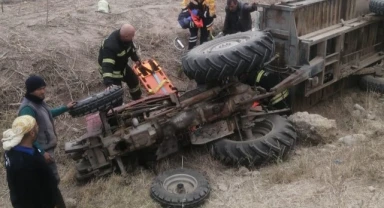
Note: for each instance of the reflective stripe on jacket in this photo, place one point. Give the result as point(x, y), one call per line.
point(113, 57)
point(210, 4)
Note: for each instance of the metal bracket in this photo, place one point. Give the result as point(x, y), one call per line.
point(104, 121)
point(251, 114)
point(211, 132)
point(121, 166)
point(272, 59)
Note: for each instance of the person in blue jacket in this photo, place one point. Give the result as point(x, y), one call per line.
point(31, 182)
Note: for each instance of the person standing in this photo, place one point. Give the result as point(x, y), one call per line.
point(238, 17)
point(202, 13)
point(113, 60)
point(31, 182)
point(33, 105)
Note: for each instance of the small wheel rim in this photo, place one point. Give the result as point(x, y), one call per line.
point(180, 184)
point(224, 45)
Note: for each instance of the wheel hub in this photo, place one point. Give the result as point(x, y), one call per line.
point(180, 184)
point(180, 188)
point(224, 45)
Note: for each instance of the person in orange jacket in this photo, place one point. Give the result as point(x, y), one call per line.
point(202, 13)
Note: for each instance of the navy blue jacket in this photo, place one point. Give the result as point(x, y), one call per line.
point(30, 180)
point(240, 20)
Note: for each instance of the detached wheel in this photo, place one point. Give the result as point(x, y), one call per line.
point(180, 188)
point(377, 6)
point(273, 138)
point(228, 56)
point(100, 101)
point(372, 83)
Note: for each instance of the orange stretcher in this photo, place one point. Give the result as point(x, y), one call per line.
point(153, 78)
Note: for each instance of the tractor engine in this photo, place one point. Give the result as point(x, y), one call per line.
point(132, 138)
point(157, 128)
point(146, 134)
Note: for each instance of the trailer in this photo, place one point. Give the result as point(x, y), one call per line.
point(331, 39)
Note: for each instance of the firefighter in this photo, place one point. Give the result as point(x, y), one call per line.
point(113, 59)
point(268, 79)
point(238, 17)
point(200, 14)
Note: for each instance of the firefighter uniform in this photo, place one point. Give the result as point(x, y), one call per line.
point(113, 60)
point(268, 80)
point(207, 12)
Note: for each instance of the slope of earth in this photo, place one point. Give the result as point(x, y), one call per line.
point(62, 46)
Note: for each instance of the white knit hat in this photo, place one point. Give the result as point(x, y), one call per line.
point(20, 126)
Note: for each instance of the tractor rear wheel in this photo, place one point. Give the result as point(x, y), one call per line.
point(227, 56)
point(273, 138)
point(376, 6)
point(372, 83)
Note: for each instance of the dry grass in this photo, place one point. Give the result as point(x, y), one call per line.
point(65, 53)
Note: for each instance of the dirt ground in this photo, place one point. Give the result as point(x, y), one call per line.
point(63, 45)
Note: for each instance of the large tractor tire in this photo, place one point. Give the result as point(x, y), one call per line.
point(100, 101)
point(377, 6)
point(274, 137)
point(180, 188)
point(231, 55)
point(372, 83)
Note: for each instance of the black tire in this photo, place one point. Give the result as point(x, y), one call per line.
point(249, 51)
point(372, 83)
point(164, 192)
point(377, 6)
point(274, 138)
point(100, 101)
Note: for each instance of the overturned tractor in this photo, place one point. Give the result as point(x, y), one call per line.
point(233, 118)
point(221, 116)
point(235, 111)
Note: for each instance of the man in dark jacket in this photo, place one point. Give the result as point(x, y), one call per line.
point(33, 105)
point(30, 180)
point(113, 60)
point(238, 17)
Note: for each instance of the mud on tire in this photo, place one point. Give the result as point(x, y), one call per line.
point(274, 137)
point(227, 56)
point(165, 191)
point(100, 101)
point(372, 83)
point(376, 6)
